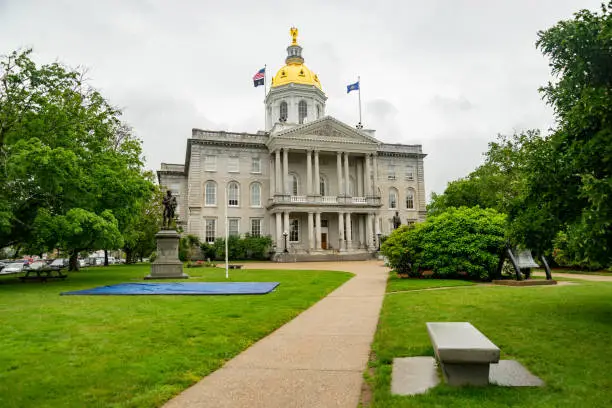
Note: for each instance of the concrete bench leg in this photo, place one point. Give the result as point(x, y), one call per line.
point(466, 374)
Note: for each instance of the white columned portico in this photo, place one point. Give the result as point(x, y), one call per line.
point(318, 232)
point(349, 229)
point(277, 170)
point(285, 188)
point(311, 232)
point(317, 176)
point(339, 171)
point(341, 231)
point(346, 176)
point(308, 172)
point(366, 176)
point(279, 232)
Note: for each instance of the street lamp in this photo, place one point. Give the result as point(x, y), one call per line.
point(379, 234)
point(285, 235)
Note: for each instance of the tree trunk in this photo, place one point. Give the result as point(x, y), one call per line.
point(128, 255)
point(73, 262)
point(106, 257)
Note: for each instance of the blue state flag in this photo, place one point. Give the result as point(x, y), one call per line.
point(352, 87)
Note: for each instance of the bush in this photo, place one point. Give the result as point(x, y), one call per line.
point(249, 247)
point(457, 243)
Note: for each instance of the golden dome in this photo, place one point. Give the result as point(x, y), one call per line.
point(295, 72)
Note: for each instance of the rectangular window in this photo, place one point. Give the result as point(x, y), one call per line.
point(233, 164)
point(391, 172)
point(294, 230)
point(409, 173)
point(211, 229)
point(210, 163)
point(255, 165)
point(256, 227)
point(210, 193)
point(324, 223)
point(233, 226)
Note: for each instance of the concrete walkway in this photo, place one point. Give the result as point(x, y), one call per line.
point(587, 277)
point(315, 360)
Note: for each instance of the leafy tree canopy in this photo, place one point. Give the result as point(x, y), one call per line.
point(64, 152)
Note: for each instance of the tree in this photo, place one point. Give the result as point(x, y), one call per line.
point(139, 234)
point(570, 188)
point(63, 147)
point(498, 182)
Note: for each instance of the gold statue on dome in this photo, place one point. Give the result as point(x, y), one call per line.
point(294, 33)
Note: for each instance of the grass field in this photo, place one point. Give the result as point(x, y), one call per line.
point(561, 334)
point(133, 351)
point(395, 284)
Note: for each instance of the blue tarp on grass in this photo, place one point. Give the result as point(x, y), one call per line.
point(181, 288)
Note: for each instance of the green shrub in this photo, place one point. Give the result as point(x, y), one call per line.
point(459, 242)
point(249, 247)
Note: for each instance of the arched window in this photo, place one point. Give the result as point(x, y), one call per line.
point(233, 194)
point(318, 111)
point(210, 193)
point(392, 198)
point(322, 185)
point(293, 184)
point(283, 111)
point(410, 199)
point(302, 111)
point(255, 195)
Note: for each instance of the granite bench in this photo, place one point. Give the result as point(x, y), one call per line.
point(464, 352)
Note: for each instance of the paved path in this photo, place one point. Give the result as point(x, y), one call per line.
point(594, 278)
point(315, 360)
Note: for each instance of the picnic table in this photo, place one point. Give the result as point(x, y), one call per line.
point(43, 274)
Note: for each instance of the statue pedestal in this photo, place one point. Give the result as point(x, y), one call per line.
point(167, 264)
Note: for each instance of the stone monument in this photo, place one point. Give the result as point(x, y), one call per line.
point(167, 264)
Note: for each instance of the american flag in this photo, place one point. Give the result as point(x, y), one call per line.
point(259, 77)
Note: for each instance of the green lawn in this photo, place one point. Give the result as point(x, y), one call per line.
point(395, 284)
point(133, 351)
point(561, 334)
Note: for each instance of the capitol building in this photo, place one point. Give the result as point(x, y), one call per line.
point(316, 185)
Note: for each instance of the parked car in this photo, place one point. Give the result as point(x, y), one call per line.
point(59, 263)
point(36, 265)
point(15, 267)
point(82, 263)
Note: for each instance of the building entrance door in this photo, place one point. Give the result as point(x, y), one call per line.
point(324, 240)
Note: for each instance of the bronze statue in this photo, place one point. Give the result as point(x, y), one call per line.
point(397, 221)
point(169, 203)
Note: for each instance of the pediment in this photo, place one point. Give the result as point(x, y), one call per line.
point(326, 129)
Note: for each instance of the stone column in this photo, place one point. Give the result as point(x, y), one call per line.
point(359, 171)
point(366, 176)
point(349, 230)
point(339, 171)
point(286, 172)
point(375, 184)
point(277, 170)
point(310, 232)
point(346, 175)
point(318, 232)
point(369, 234)
point(279, 232)
point(341, 231)
point(308, 172)
point(272, 177)
point(362, 236)
point(286, 228)
point(316, 175)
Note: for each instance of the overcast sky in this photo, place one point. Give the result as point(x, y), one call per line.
point(449, 75)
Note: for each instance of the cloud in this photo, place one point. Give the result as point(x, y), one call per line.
point(447, 104)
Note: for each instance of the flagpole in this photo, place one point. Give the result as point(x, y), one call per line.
point(359, 82)
point(265, 86)
point(226, 237)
